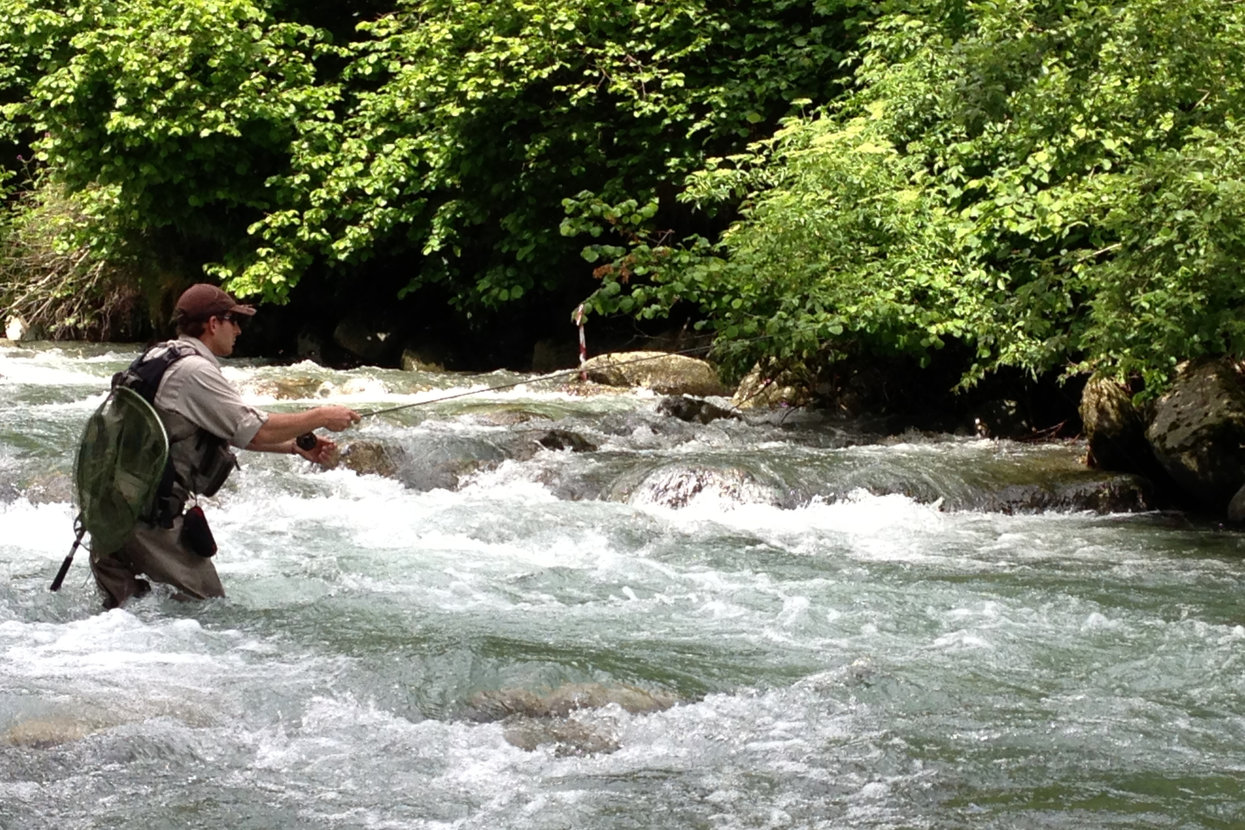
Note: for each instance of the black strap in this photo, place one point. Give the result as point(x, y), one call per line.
point(144, 376)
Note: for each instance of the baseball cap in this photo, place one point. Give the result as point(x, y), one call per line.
point(204, 300)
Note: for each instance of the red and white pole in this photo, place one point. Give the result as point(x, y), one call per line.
point(583, 348)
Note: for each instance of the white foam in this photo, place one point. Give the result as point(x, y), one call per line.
point(48, 369)
point(42, 530)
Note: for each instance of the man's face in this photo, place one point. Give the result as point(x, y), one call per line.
point(221, 333)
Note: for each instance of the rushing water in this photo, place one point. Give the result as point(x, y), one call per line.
point(760, 639)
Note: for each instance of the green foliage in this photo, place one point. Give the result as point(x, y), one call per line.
point(53, 282)
point(162, 116)
point(467, 123)
point(441, 135)
point(1056, 186)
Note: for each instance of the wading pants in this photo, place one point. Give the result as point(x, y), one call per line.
point(156, 553)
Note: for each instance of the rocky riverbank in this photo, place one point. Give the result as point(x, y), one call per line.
point(1185, 450)
point(1190, 442)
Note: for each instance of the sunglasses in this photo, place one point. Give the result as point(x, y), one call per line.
point(236, 319)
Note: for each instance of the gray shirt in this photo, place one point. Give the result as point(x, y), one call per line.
point(195, 389)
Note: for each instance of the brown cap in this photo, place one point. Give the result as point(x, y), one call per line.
point(203, 300)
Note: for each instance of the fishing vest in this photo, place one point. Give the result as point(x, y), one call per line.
point(198, 461)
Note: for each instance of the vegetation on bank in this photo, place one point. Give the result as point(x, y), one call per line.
point(420, 146)
point(1053, 187)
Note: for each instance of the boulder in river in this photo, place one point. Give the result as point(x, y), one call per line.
point(1114, 428)
point(766, 388)
point(668, 374)
point(423, 358)
point(1236, 507)
point(368, 458)
point(564, 439)
point(1198, 433)
point(15, 329)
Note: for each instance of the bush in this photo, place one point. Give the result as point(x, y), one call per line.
point(1053, 187)
point(53, 282)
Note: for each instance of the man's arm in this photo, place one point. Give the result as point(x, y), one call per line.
point(278, 432)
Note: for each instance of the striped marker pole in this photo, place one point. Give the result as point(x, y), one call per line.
point(583, 348)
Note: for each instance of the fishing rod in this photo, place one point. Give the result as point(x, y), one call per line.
point(308, 440)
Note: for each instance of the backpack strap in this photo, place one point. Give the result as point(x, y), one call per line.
point(147, 370)
point(144, 376)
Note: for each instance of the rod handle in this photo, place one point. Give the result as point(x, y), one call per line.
point(60, 575)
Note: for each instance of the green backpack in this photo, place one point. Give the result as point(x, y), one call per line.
point(122, 459)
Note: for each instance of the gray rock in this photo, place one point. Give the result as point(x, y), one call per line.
point(1236, 507)
point(668, 374)
point(693, 410)
point(1114, 428)
point(1198, 433)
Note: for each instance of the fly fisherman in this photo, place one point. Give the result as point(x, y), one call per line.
point(202, 414)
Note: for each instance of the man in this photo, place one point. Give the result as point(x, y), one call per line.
point(202, 414)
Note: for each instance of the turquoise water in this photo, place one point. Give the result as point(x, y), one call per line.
point(834, 658)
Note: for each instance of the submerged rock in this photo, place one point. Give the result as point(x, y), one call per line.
point(47, 733)
point(49, 488)
point(568, 717)
point(693, 410)
point(495, 705)
point(369, 458)
point(568, 736)
point(288, 388)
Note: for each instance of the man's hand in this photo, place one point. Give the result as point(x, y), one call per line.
point(323, 453)
point(338, 418)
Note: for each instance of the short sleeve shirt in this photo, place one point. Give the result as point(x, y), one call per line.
point(194, 388)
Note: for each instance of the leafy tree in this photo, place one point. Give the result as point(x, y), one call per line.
point(468, 122)
point(274, 139)
point(164, 116)
point(1054, 186)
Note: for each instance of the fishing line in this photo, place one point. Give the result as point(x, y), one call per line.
point(551, 376)
point(307, 441)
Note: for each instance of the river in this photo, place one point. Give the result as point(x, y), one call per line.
point(760, 623)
